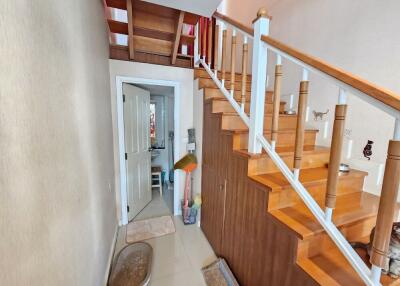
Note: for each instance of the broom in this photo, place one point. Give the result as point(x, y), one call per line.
point(188, 163)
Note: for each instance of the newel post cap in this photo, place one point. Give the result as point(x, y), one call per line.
point(262, 13)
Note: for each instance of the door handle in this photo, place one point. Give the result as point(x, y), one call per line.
point(150, 149)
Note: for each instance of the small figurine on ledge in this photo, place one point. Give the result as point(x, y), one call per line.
point(320, 115)
point(368, 150)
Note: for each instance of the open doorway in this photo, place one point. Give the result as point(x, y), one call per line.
point(162, 149)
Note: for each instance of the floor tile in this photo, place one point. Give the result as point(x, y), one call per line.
point(184, 278)
point(178, 257)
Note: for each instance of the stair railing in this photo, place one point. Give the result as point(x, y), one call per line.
point(346, 82)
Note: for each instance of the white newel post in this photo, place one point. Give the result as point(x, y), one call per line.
point(258, 83)
point(196, 45)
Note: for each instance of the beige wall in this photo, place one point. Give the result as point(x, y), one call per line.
point(198, 101)
point(184, 77)
point(357, 36)
point(57, 214)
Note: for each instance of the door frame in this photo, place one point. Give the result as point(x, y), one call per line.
point(120, 80)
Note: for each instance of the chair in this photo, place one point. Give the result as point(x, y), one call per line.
point(156, 178)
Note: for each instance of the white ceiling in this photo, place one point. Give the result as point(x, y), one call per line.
point(200, 7)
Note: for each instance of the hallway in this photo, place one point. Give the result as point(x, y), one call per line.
point(179, 257)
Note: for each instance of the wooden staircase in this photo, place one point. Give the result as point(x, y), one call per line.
point(313, 258)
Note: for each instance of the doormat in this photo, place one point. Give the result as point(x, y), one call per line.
point(219, 274)
point(149, 228)
point(132, 266)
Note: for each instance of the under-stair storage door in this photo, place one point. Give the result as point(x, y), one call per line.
point(212, 211)
point(137, 148)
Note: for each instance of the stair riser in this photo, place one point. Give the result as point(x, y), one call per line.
point(240, 141)
point(234, 122)
point(216, 93)
point(321, 242)
point(288, 197)
point(225, 106)
point(264, 164)
point(204, 74)
point(204, 82)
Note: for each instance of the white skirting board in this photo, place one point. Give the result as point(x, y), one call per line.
point(110, 256)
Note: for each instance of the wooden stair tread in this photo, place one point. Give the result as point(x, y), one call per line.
point(201, 72)
point(268, 131)
point(247, 91)
point(265, 115)
point(215, 92)
point(331, 268)
point(350, 208)
point(286, 150)
point(308, 177)
point(247, 100)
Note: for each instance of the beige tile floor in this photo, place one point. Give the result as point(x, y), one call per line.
point(177, 258)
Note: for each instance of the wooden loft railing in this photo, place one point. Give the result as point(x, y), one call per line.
point(216, 57)
point(154, 33)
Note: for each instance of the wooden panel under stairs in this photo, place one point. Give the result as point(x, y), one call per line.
point(267, 235)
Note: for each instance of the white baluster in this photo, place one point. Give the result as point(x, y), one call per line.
point(245, 41)
point(342, 96)
point(396, 134)
point(196, 45)
point(273, 142)
point(259, 75)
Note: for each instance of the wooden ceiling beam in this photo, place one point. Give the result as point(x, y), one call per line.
point(187, 39)
point(150, 33)
point(153, 46)
point(155, 9)
point(118, 27)
point(121, 53)
point(178, 34)
point(191, 19)
point(129, 8)
point(119, 4)
point(122, 28)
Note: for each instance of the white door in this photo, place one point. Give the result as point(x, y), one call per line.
point(137, 148)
